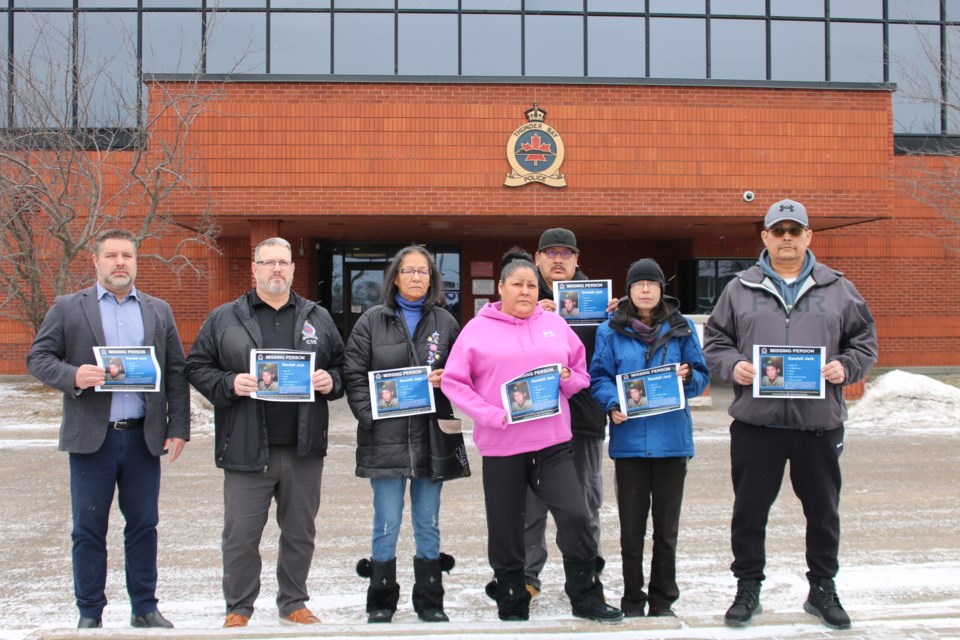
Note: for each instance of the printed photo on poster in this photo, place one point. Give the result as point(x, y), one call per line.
point(128, 369)
point(788, 372)
point(582, 301)
point(533, 395)
point(282, 375)
point(400, 392)
point(651, 391)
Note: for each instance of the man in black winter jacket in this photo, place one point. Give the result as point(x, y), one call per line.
point(556, 261)
point(268, 450)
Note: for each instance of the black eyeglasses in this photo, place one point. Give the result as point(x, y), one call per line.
point(566, 254)
point(779, 232)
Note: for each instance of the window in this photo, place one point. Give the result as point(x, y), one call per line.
point(42, 75)
point(428, 45)
point(107, 63)
point(363, 43)
point(678, 48)
point(616, 47)
point(702, 281)
point(544, 56)
point(856, 52)
point(237, 43)
point(300, 43)
point(797, 51)
point(912, 50)
point(491, 45)
point(738, 49)
point(171, 43)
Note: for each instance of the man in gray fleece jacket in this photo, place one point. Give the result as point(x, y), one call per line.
point(788, 299)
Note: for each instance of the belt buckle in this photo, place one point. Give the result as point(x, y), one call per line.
point(122, 425)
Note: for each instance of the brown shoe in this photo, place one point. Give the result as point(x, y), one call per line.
point(236, 620)
point(300, 616)
point(533, 591)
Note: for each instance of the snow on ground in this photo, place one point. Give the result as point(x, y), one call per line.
point(900, 555)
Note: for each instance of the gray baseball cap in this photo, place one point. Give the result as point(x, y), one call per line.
point(786, 210)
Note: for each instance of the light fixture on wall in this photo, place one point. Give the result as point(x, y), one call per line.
point(301, 246)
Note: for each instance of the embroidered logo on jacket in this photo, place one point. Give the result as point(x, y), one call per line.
point(309, 333)
point(434, 355)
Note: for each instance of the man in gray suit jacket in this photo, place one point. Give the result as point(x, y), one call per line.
point(114, 439)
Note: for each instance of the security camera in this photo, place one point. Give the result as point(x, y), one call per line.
point(748, 196)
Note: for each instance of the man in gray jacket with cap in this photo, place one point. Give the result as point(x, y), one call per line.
point(788, 299)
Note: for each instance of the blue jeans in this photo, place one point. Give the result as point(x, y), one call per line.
point(123, 462)
point(388, 514)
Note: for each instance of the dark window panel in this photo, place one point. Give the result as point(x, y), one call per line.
point(428, 4)
point(796, 51)
point(678, 6)
point(428, 44)
point(237, 43)
point(42, 54)
point(678, 48)
point(108, 4)
point(554, 45)
point(4, 87)
point(856, 52)
point(491, 45)
point(108, 70)
point(805, 9)
point(738, 7)
point(914, 9)
point(171, 4)
point(171, 42)
point(363, 43)
point(616, 47)
point(553, 5)
point(364, 4)
point(620, 6)
point(871, 9)
point(914, 52)
point(953, 76)
point(738, 49)
point(300, 43)
point(492, 5)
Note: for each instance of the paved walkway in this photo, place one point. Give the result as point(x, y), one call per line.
point(900, 575)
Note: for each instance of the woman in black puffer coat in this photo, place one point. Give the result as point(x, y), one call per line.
point(410, 328)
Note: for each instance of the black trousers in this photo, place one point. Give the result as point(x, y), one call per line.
point(552, 476)
point(643, 483)
point(758, 456)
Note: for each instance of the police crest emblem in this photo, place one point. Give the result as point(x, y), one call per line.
point(535, 152)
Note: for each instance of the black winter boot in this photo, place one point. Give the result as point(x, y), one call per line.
point(745, 605)
point(824, 603)
point(586, 592)
point(509, 589)
point(383, 592)
point(428, 587)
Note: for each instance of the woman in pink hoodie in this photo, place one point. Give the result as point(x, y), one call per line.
point(505, 340)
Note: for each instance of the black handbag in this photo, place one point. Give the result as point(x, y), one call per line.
point(448, 453)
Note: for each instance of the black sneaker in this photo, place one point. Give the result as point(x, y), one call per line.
point(745, 605)
point(663, 611)
point(824, 603)
point(598, 612)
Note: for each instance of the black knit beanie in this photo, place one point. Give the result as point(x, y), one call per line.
point(645, 269)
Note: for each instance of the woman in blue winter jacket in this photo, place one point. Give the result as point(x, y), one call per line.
point(650, 453)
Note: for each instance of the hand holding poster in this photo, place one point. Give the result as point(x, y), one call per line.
point(128, 369)
point(533, 395)
point(282, 375)
point(582, 301)
point(788, 372)
point(651, 391)
point(400, 392)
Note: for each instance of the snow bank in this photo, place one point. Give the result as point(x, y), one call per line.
point(907, 402)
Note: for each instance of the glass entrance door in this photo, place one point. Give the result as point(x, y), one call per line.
point(361, 289)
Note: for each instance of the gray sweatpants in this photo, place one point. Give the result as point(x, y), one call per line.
point(587, 458)
point(295, 485)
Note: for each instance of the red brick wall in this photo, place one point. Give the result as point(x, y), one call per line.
point(276, 152)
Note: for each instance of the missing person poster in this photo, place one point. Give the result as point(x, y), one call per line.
point(533, 395)
point(282, 375)
point(651, 391)
point(582, 301)
point(400, 392)
point(788, 372)
point(128, 369)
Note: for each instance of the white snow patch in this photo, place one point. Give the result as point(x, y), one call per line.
point(906, 402)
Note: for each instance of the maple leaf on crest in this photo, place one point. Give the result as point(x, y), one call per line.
point(536, 145)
